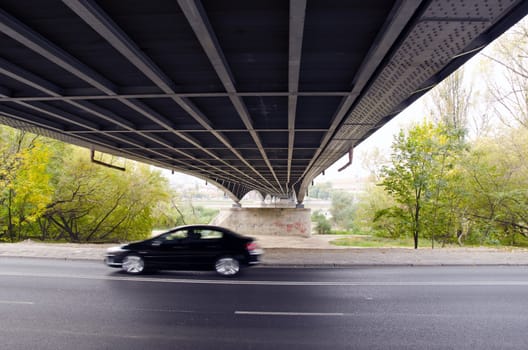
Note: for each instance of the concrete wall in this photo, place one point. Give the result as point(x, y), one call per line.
point(266, 221)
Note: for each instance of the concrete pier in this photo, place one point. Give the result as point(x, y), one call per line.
point(266, 221)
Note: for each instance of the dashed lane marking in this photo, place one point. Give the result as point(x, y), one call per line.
point(280, 313)
point(15, 302)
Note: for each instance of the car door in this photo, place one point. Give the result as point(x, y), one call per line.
point(207, 246)
point(170, 250)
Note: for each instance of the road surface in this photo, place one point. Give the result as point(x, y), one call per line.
point(57, 304)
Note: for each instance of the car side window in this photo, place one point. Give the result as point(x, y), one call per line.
point(208, 234)
point(176, 235)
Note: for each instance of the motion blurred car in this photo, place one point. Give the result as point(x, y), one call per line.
point(191, 247)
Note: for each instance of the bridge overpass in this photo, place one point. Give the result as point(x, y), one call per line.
point(249, 95)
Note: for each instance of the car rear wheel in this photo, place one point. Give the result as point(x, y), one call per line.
point(227, 266)
point(133, 264)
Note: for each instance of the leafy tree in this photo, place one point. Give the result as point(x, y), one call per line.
point(408, 178)
point(322, 224)
point(450, 104)
point(321, 191)
point(373, 217)
point(176, 212)
point(188, 213)
point(496, 181)
point(24, 183)
point(95, 203)
point(51, 191)
point(343, 209)
point(421, 162)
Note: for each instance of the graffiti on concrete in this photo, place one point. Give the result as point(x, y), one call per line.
point(292, 227)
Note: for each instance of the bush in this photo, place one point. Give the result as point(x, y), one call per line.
point(322, 225)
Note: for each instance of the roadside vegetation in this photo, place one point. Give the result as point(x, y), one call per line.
point(50, 191)
point(458, 177)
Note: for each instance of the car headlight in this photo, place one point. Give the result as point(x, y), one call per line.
point(115, 250)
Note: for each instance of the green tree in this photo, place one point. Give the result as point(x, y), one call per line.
point(496, 181)
point(422, 160)
point(343, 209)
point(95, 203)
point(450, 104)
point(24, 182)
point(372, 215)
point(322, 224)
point(321, 191)
point(176, 212)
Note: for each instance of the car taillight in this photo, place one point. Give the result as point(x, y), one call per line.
point(251, 246)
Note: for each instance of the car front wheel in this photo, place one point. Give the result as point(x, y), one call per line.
point(227, 266)
point(133, 264)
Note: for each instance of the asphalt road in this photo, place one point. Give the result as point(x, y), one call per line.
point(57, 304)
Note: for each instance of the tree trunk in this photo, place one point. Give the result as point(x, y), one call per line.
point(416, 225)
point(10, 227)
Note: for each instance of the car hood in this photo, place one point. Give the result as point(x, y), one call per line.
point(136, 245)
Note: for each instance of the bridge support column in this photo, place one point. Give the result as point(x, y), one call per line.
point(266, 221)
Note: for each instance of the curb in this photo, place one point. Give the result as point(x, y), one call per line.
point(279, 257)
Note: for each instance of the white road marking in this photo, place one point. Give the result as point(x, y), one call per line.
point(279, 313)
point(273, 283)
point(14, 302)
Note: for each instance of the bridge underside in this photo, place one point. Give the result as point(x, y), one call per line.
point(251, 95)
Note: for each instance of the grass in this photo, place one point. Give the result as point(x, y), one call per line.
point(378, 242)
point(367, 241)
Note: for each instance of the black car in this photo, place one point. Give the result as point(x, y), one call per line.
point(192, 247)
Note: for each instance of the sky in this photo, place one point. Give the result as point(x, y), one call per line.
point(381, 139)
